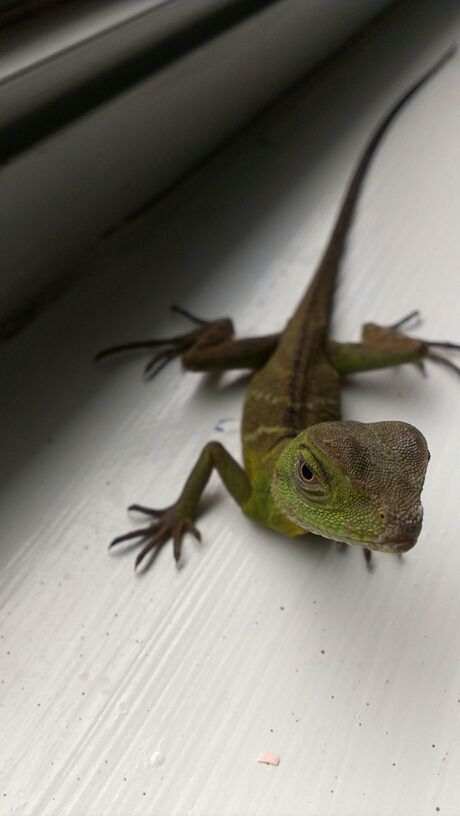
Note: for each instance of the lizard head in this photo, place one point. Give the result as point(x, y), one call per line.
point(354, 482)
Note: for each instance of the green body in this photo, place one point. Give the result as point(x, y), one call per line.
point(304, 468)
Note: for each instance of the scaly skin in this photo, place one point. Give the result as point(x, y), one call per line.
point(304, 468)
point(356, 483)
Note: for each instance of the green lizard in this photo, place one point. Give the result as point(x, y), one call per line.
point(306, 470)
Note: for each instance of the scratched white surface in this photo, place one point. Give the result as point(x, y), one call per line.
point(125, 694)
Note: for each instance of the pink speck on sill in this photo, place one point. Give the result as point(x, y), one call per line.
point(269, 758)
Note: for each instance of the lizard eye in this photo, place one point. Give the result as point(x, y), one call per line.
point(310, 480)
point(306, 472)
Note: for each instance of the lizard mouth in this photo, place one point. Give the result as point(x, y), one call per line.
point(402, 544)
point(396, 543)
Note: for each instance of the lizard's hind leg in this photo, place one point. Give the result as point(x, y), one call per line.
point(389, 335)
point(386, 346)
point(208, 333)
point(208, 347)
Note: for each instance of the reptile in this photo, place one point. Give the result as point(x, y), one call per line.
point(305, 469)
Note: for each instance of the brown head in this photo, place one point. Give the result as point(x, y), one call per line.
point(355, 482)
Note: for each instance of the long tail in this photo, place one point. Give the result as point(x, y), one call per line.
point(319, 297)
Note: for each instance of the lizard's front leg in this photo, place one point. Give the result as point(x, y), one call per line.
point(174, 521)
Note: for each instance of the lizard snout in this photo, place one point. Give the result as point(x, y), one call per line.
point(402, 544)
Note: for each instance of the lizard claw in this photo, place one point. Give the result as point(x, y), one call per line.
point(193, 318)
point(414, 315)
point(160, 360)
point(147, 511)
point(169, 523)
point(438, 358)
